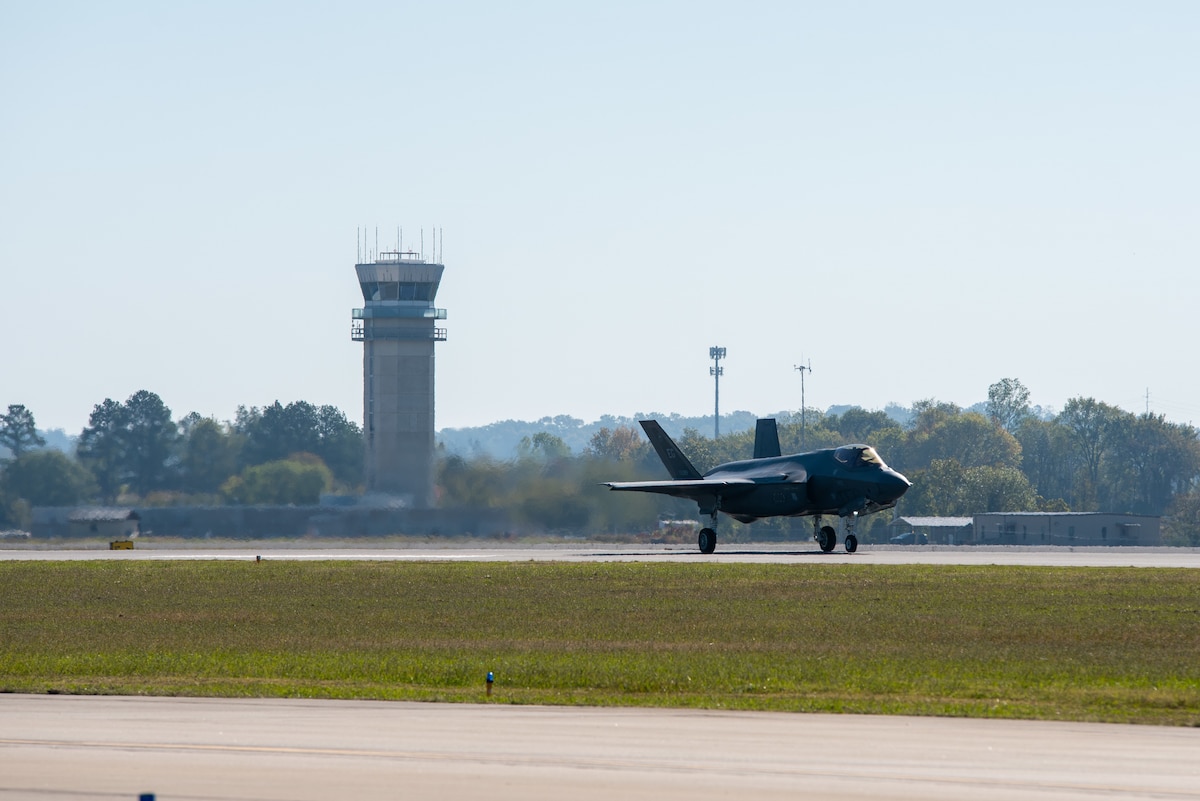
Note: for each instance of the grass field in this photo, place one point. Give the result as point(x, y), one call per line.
point(1022, 642)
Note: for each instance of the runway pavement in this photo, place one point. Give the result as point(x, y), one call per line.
point(66, 748)
point(787, 553)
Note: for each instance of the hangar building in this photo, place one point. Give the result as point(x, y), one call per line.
point(1037, 528)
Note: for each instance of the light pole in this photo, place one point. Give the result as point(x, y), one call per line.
point(803, 369)
point(716, 371)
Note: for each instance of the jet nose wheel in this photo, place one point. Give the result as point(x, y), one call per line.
point(851, 543)
point(708, 540)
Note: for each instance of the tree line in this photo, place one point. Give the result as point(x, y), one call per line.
point(135, 452)
point(1090, 457)
point(1006, 458)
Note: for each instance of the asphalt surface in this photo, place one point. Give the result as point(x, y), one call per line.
point(66, 748)
point(788, 553)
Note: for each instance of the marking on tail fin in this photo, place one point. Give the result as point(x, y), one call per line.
point(672, 458)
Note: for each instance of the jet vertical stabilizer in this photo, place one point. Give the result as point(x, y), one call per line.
point(766, 439)
point(676, 463)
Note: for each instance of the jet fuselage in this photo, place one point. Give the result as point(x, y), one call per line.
point(814, 483)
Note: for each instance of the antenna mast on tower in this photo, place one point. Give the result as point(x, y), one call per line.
point(803, 427)
point(716, 371)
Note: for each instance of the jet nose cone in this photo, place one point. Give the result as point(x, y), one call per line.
point(895, 484)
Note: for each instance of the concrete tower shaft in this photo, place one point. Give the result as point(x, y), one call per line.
point(398, 329)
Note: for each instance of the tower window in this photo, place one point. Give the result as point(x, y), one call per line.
point(403, 290)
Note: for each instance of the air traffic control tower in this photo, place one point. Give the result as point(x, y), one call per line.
point(398, 329)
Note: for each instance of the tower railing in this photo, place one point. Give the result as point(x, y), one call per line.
point(358, 333)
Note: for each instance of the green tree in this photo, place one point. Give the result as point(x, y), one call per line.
point(1049, 460)
point(47, 478)
point(555, 505)
point(943, 431)
point(947, 489)
point(996, 489)
point(1182, 525)
point(701, 451)
point(277, 431)
point(101, 447)
point(621, 444)
point(1008, 403)
point(929, 412)
point(544, 446)
point(299, 481)
point(150, 437)
point(209, 455)
point(18, 431)
point(475, 483)
point(936, 490)
point(340, 445)
point(1150, 461)
point(14, 512)
point(626, 512)
point(132, 443)
point(1090, 424)
point(858, 425)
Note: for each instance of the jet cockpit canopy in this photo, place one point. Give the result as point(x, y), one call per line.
point(856, 456)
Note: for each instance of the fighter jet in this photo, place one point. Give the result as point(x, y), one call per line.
point(846, 481)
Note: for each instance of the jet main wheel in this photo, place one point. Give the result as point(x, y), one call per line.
point(851, 543)
point(828, 538)
point(708, 540)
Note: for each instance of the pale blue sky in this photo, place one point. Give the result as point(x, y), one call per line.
point(922, 198)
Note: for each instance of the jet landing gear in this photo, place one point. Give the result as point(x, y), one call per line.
point(708, 534)
point(826, 536)
point(851, 540)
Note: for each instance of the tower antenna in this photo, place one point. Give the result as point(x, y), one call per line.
point(716, 371)
point(803, 427)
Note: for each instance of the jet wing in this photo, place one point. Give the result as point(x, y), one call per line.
point(692, 488)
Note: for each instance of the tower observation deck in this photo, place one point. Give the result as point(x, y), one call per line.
point(398, 328)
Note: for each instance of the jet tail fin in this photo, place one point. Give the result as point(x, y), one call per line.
point(676, 463)
point(766, 439)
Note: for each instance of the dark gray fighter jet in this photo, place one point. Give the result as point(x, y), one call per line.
point(846, 481)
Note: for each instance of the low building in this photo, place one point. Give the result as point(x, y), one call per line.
point(1065, 528)
point(1033, 528)
point(940, 530)
point(105, 522)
